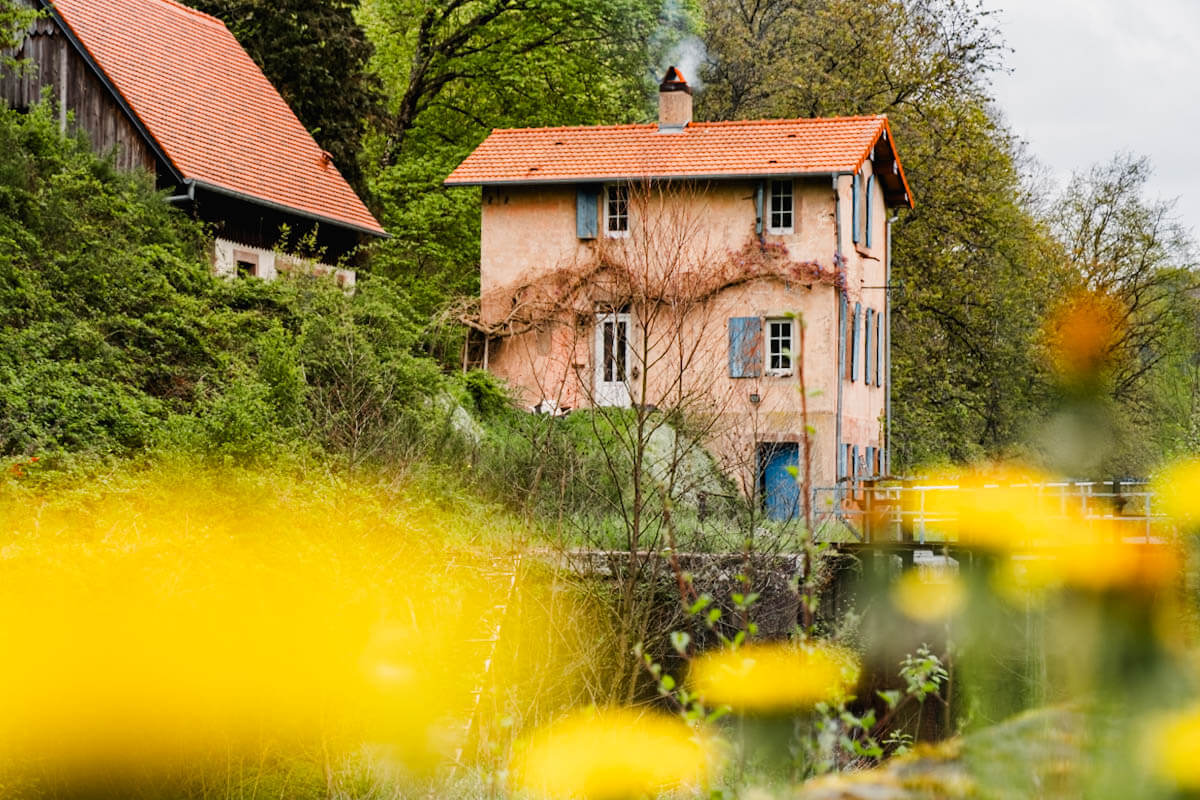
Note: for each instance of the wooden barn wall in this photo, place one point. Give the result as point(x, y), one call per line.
point(55, 63)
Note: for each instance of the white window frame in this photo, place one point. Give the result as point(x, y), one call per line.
point(787, 192)
point(786, 355)
point(616, 194)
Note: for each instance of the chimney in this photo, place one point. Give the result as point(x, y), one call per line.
point(674, 102)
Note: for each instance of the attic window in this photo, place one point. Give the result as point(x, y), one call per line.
point(781, 219)
point(616, 210)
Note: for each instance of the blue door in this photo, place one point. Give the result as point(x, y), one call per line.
point(780, 490)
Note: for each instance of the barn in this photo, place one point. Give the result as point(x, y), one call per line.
point(167, 89)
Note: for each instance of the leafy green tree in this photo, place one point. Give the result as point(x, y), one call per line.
point(1123, 244)
point(455, 69)
point(316, 55)
point(1131, 257)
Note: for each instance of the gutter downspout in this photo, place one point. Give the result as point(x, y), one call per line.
point(841, 365)
point(887, 295)
point(189, 197)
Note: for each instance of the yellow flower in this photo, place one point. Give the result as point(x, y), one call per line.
point(1083, 334)
point(1173, 747)
point(1178, 491)
point(766, 678)
point(928, 598)
point(612, 754)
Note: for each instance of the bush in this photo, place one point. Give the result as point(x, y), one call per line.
point(115, 336)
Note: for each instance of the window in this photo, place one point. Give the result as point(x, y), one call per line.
point(779, 347)
point(245, 264)
point(616, 210)
point(782, 199)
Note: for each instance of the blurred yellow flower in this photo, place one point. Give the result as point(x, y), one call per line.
point(612, 754)
point(1001, 510)
point(205, 613)
point(1083, 333)
point(774, 677)
point(928, 597)
point(1172, 746)
point(1177, 490)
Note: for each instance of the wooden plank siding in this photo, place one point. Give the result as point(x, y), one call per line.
point(55, 63)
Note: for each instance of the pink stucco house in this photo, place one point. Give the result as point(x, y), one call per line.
point(735, 269)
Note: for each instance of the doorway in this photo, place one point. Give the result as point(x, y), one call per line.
point(778, 464)
point(612, 360)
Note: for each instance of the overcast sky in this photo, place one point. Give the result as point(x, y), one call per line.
point(1092, 77)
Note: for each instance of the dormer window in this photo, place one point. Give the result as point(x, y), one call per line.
point(616, 210)
point(781, 219)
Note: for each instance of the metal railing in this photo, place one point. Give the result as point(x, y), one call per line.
point(908, 511)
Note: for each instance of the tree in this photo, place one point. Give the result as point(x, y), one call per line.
point(1122, 244)
point(316, 55)
point(453, 70)
point(1124, 342)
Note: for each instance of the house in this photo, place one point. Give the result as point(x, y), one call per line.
point(746, 263)
point(167, 89)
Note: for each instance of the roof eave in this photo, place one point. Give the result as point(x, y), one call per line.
point(299, 212)
point(631, 177)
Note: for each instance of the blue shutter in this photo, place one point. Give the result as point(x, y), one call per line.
point(745, 347)
point(879, 349)
point(870, 207)
point(845, 322)
point(841, 460)
point(868, 337)
point(854, 462)
point(856, 341)
point(587, 211)
point(856, 212)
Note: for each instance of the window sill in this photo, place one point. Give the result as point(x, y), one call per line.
point(781, 231)
point(616, 234)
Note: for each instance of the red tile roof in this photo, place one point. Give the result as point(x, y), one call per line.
point(701, 150)
point(212, 112)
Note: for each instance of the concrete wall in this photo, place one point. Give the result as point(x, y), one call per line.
point(270, 264)
point(680, 234)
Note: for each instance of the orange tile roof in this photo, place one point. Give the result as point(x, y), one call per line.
point(701, 150)
point(213, 114)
